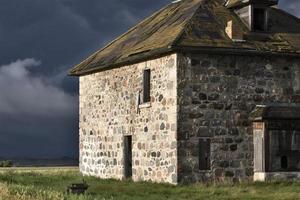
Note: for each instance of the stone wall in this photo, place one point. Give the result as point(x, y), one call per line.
point(216, 93)
point(108, 112)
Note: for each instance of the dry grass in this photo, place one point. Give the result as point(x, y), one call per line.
point(15, 192)
point(51, 184)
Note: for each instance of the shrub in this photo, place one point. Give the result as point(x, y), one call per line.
point(6, 163)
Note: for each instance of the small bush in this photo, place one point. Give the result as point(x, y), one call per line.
point(6, 163)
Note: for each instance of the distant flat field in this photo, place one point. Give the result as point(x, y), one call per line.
point(50, 183)
point(49, 169)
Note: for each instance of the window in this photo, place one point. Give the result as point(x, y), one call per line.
point(128, 156)
point(259, 19)
point(146, 85)
point(204, 154)
point(283, 152)
point(284, 162)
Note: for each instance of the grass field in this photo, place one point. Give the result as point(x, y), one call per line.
point(51, 184)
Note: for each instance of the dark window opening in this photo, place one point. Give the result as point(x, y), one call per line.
point(204, 154)
point(259, 19)
point(128, 156)
point(284, 150)
point(284, 162)
point(146, 86)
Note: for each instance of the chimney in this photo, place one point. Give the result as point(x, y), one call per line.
point(233, 31)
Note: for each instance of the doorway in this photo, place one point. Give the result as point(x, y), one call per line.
point(128, 156)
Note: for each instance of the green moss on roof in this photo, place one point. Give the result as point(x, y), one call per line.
point(191, 24)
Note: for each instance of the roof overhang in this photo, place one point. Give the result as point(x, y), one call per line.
point(241, 3)
point(144, 56)
point(136, 58)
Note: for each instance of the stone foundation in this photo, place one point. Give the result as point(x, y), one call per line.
point(277, 176)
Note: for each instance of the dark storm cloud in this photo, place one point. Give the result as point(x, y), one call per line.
point(61, 31)
point(42, 28)
point(39, 98)
point(292, 6)
point(116, 15)
point(38, 101)
point(37, 118)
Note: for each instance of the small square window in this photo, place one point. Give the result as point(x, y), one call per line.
point(204, 154)
point(146, 85)
point(259, 19)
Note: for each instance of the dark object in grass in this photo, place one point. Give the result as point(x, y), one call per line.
point(77, 188)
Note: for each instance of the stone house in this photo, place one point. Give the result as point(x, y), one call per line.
point(202, 90)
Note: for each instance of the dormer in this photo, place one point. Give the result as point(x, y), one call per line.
point(254, 13)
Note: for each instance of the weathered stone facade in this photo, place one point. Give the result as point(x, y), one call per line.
point(108, 112)
point(216, 93)
point(193, 96)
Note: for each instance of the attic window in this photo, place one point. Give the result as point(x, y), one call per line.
point(259, 19)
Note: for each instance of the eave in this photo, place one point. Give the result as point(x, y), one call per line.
point(184, 50)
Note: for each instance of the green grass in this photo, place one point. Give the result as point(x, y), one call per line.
point(48, 184)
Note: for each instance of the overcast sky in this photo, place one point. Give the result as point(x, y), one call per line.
point(40, 40)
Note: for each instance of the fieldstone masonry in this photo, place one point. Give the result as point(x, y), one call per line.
point(216, 93)
point(193, 96)
point(109, 111)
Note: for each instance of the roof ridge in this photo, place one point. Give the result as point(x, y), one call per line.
point(174, 43)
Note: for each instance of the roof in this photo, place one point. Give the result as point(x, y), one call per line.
point(192, 25)
point(276, 112)
point(237, 3)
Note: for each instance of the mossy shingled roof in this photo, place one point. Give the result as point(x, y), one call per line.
point(196, 25)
